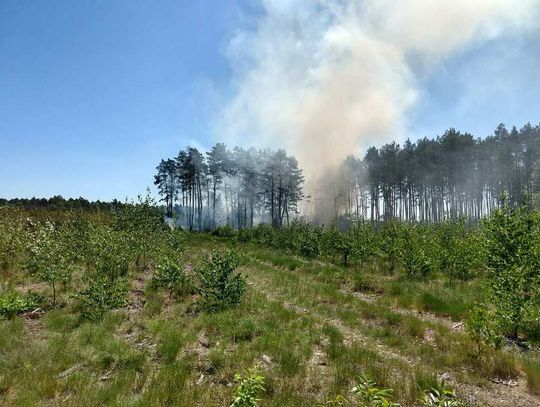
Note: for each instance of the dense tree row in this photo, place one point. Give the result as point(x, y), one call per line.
point(235, 187)
point(452, 176)
point(57, 202)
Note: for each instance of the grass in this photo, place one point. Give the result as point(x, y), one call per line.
point(531, 366)
point(310, 327)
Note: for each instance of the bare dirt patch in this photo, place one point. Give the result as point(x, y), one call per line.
point(512, 394)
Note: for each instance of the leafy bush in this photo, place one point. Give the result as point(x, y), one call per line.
point(248, 390)
point(311, 242)
point(143, 225)
point(341, 245)
point(441, 396)
point(466, 258)
point(12, 304)
point(513, 241)
point(49, 258)
point(391, 242)
point(171, 275)
point(218, 284)
point(109, 253)
point(415, 253)
point(12, 236)
point(364, 237)
point(101, 294)
point(482, 326)
point(367, 391)
point(171, 245)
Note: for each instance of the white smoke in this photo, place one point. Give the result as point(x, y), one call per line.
point(324, 78)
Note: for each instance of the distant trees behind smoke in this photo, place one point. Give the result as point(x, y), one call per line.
point(235, 187)
point(454, 175)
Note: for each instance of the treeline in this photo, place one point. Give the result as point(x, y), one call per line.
point(57, 202)
point(234, 187)
point(452, 176)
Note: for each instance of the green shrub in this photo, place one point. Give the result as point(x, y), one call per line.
point(171, 275)
point(310, 246)
point(217, 283)
point(482, 326)
point(49, 257)
point(12, 304)
point(364, 239)
point(465, 256)
point(249, 389)
point(109, 252)
point(369, 394)
point(142, 225)
point(440, 396)
point(391, 243)
point(101, 294)
point(418, 253)
point(513, 242)
point(12, 237)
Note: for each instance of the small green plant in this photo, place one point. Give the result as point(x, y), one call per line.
point(482, 326)
point(12, 304)
point(415, 253)
point(49, 258)
point(109, 252)
point(391, 243)
point(12, 237)
point(248, 390)
point(143, 225)
point(513, 241)
point(342, 245)
point(465, 257)
point(218, 284)
point(440, 396)
point(101, 295)
point(171, 275)
point(370, 395)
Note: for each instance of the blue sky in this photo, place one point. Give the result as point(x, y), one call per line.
point(94, 93)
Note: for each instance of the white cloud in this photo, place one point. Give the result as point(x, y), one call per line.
point(324, 78)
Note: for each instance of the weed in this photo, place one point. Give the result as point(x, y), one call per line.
point(13, 303)
point(218, 284)
point(248, 390)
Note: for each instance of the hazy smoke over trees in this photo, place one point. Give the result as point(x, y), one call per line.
point(325, 78)
point(237, 187)
point(452, 176)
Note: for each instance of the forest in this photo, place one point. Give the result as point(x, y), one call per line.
point(449, 177)
point(455, 175)
point(234, 187)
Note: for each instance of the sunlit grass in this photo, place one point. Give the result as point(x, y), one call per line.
point(354, 320)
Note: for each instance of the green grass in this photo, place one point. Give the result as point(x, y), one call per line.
point(531, 366)
point(310, 327)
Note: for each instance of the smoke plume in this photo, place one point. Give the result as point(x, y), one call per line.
point(325, 78)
